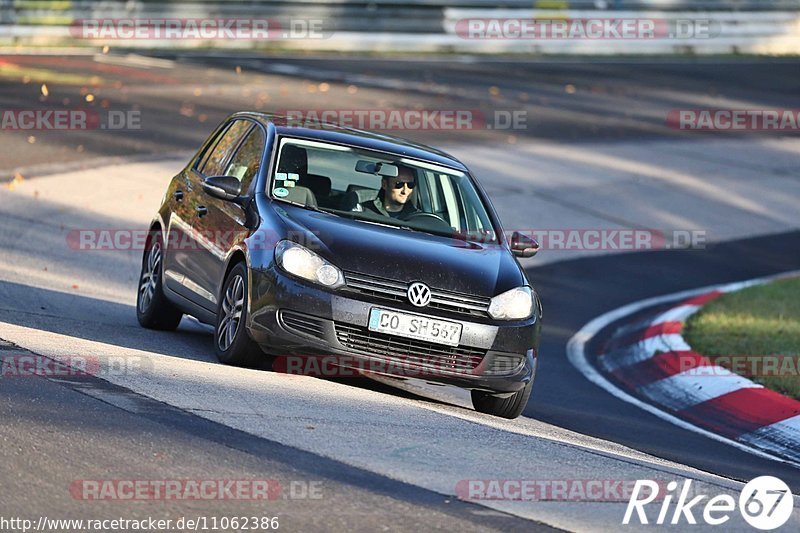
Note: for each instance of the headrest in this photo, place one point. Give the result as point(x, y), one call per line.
point(356, 195)
point(319, 185)
point(301, 195)
point(293, 159)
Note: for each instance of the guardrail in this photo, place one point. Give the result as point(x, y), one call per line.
point(739, 26)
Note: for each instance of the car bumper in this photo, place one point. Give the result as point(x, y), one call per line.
point(320, 332)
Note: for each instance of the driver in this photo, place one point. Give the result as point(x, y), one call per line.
point(394, 197)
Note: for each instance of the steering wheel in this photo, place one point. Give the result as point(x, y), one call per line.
point(431, 221)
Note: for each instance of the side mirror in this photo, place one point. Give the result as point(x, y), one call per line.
point(523, 246)
point(223, 187)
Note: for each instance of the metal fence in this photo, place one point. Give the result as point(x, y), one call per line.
point(403, 16)
point(753, 26)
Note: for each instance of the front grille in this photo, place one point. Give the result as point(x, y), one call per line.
point(300, 323)
point(396, 291)
point(409, 351)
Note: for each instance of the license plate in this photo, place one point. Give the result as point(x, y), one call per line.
point(415, 326)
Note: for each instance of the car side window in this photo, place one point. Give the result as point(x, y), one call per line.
point(209, 147)
point(444, 199)
point(245, 164)
point(213, 164)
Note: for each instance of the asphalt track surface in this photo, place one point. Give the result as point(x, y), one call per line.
point(56, 432)
point(180, 96)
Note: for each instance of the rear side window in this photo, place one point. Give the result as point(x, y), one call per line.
point(245, 164)
point(219, 154)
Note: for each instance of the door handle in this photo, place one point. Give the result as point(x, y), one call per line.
point(202, 211)
point(178, 196)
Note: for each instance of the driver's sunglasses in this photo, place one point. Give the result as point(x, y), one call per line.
point(410, 184)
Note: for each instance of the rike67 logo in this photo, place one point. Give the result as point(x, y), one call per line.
point(765, 503)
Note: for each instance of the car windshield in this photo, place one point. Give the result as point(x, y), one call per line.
point(380, 188)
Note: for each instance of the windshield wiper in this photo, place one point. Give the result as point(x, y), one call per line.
point(357, 215)
point(426, 231)
point(354, 215)
point(306, 206)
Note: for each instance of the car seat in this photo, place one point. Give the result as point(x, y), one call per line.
point(355, 196)
point(294, 160)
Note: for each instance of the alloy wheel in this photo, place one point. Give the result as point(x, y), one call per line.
point(232, 305)
point(149, 279)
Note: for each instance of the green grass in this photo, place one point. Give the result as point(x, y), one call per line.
point(53, 5)
point(761, 321)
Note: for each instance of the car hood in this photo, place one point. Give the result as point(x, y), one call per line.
point(372, 249)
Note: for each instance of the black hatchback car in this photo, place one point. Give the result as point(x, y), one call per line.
point(311, 240)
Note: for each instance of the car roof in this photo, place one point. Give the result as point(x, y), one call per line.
point(323, 131)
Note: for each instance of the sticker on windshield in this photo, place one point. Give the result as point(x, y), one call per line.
point(289, 184)
point(293, 176)
point(280, 176)
point(280, 192)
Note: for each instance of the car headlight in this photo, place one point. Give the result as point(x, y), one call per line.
point(302, 262)
point(515, 304)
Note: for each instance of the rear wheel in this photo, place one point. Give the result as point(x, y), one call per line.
point(153, 310)
point(505, 407)
point(232, 343)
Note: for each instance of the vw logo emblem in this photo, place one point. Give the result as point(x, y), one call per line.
point(419, 294)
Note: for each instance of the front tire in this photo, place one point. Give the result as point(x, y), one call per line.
point(232, 343)
point(508, 407)
point(153, 310)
